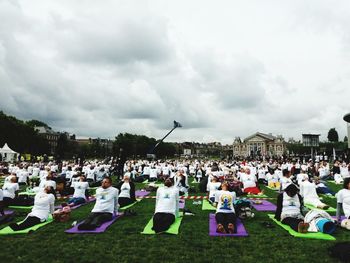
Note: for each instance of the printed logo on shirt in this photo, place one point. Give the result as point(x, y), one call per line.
point(166, 196)
point(103, 196)
point(226, 201)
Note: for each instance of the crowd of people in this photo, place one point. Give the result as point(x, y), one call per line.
point(297, 183)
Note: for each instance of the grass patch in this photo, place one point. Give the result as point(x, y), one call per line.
point(122, 242)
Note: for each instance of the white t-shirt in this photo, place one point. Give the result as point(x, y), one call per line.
point(22, 176)
point(225, 201)
point(302, 177)
point(248, 180)
point(167, 200)
point(290, 206)
point(9, 190)
point(125, 190)
point(262, 173)
point(146, 170)
point(1, 195)
point(344, 171)
point(343, 196)
point(213, 188)
point(79, 189)
point(36, 172)
point(285, 182)
point(271, 178)
point(43, 206)
point(308, 192)
point(153, 173)
point(106, 200)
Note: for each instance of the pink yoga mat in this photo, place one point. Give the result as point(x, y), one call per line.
point(241, 232)
point(140, 193)
point(101, 229)
point(265, 206)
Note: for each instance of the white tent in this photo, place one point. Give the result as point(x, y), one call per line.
point(7, 154)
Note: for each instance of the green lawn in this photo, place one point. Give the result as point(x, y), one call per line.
point(122, 242)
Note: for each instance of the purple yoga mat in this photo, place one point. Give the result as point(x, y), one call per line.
point(101, 229)
point(341, 218)
point(8, 212)
point(241, 232)
point(181, 204)
point(265, 206)
point(140, 193)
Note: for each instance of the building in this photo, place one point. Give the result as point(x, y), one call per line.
point(50, 135)
point(259, 144)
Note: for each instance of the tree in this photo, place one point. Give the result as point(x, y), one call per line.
point(333, 135)
point(346, 139)
point(33, 123)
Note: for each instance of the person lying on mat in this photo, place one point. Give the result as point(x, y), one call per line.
point(212, 188)
point(167, 207)
point(289, 209)
point(343, 200)
point(80, 190)
point(126, 191)
point(43, 207)
point(308, 192)
point(249, 183)
point(225, 213)
point(320, 221)
point(321, 188)
point(105, 207)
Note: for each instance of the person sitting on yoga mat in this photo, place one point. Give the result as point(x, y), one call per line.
point(308, 192)
point(80, 188)
point(105, 207)
point(167, 207)
point(10, 190)
point(249, 183)
point(43, 207)
point(48, 182)
point(225, 212)
point(181, 182)
point(289, 209)
point(343, 200)
point(126, 191)
point(212, 188)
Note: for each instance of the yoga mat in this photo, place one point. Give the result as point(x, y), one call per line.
point(241, 231)
point(27, 193)
point(101, 229)
point(195, 182)
point(128, 206)
point(181, 204)
point(312, 235)
point(341, 218)
point(21, 207)
point(8, 212)
point(274, 189)
point(145, 182)
point(329, 210)
point(265, 206)
point(92, 199)
point(8, 231)
point(207, 206)
point(329, 196)
point(140, 193)
point(256, 196)
point(174, 228)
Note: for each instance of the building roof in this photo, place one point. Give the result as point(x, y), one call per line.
point(265, 136)
point(6, 149)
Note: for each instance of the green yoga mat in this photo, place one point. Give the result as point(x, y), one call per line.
point(27, 193)
point(207, 206)
point(128, 206)
point(256, 196)
point(145, 182)
point(8, 231)
point(329, 210)
point(21, 207)
point(317, 235)
point(174, 228)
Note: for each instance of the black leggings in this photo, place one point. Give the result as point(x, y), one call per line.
point(94, 220)
point(28, 222)
point(225, 219)
point(292, 222)
point(124, 201)
point(162, 221)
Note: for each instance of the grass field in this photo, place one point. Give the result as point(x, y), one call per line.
point(122, 242)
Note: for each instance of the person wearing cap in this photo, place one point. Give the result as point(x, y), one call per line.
point(167, 207)
point(343, 202)
point(289, 209)
point(225, 213)
point(126, 191)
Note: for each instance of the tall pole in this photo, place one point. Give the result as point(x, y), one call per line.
point(176, 125)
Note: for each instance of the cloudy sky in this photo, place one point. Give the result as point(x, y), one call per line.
point(221, 68)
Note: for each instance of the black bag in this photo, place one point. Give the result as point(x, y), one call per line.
point(243, 209)
point(341, 251)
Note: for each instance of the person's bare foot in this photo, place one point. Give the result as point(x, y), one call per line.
point(220, 229)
